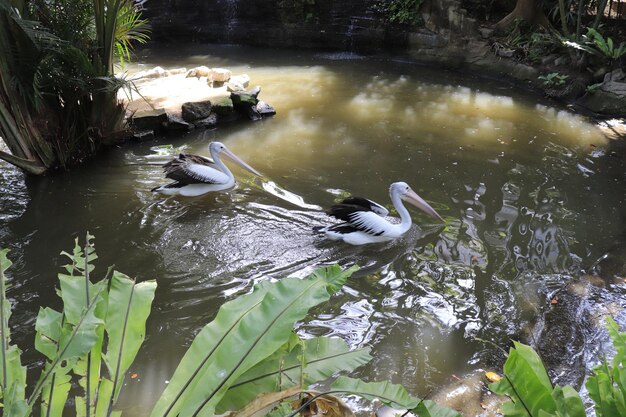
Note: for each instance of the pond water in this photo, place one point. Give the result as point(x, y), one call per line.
point(532, 197)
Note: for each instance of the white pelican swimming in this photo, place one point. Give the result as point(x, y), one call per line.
point(195, 175)
point(363, 218)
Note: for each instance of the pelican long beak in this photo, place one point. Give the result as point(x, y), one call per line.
point(239, 162)
point(417, 201)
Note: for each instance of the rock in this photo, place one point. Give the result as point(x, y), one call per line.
point(177, 124)
point(470, 396)
point(243, 79)
point(149, 119)
point(223, 106)
point(265, 109)
point(255, 91)
point(176, 71)
point(156, 72)
point(505, 53)
point(245, 103)
point(198, 72)
point(144, 135)
point(485, 33)
point(610, 97)
point(218, 76)
point(238, 83)
point(562, 61)
point(207, 123)
point(549, 59)
point(427, 40)
point(196, 110)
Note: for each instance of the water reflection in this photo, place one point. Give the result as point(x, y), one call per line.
point(530, 196)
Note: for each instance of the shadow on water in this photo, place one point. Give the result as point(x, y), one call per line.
point(532, 196)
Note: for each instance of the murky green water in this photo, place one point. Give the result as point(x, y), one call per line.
point(531, 195)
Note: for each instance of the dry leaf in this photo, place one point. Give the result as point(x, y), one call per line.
point(492, 377)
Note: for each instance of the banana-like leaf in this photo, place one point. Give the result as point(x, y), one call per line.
point(244, 332)
point(323, 356)
point(12, 373)
point(428, 408)
point(54, 395)
point(393, 395)
point(526, 383)
point(568, 402)
point(129, 308)
point(75, 341)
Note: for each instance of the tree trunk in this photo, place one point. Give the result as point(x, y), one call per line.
point(528, 10)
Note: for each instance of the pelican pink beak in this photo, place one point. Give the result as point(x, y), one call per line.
point(412, 197)
point(239, 162)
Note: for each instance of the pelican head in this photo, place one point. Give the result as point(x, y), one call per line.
point(402, 190)
point(217, 148)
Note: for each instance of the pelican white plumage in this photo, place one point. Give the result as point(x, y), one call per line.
point(363, 219)
point(195, 175)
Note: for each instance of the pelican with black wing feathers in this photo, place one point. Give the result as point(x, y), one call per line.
point(195, 175)
point(363, 219)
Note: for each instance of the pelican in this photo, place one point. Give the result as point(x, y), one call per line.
point(195, 175)
point(363, 220)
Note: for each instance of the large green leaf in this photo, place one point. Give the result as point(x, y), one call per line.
point(526, 382)
point(244, 332)
point(75, 341)
point(393, 395)
point(428, 408)
point(568, 402)
point(12, 373)
point(54, 395)
point(129, 308)
point(323, 356)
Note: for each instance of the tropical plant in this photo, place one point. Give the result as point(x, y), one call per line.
point(596, 44)
point(532, 394)
point(248, 358)
point(58, 95)
point(553, 79)
point(404, 12)
point(607, 385)
point(102, 323)
point(249, 352)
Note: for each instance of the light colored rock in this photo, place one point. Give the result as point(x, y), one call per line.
point(220, 75)
point(610, 97)
point(198, 72)
point(176, 71)
point(243, 79)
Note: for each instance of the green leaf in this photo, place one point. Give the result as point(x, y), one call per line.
point(428, 408)
point(526, 382)
point(568, 402)
point(129, 308)
point(244, 332)
point(48, 331)
point(323, 357)
point(74, 341)
point(390, 394)
point(54, 395)
point(12, 373)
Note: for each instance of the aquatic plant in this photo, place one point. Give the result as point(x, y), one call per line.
point(248, 358)
point(101, 327)
point(527, 384)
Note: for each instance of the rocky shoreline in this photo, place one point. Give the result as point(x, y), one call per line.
point(179, 99)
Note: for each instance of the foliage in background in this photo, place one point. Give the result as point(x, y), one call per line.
point(93, 340)
point(553, 79)
point(58, 94)
point(532, 394)
point(405, 12)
